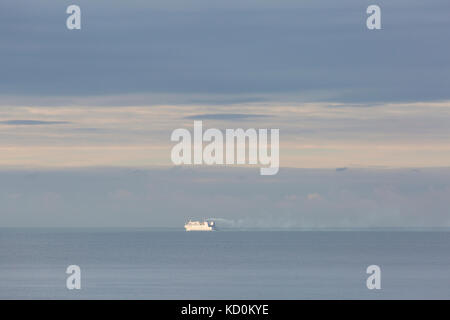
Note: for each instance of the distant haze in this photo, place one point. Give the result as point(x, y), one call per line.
point(239, 198)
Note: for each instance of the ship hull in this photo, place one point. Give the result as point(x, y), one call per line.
point(198, 229)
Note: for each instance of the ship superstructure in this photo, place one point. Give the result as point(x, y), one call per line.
point(200, 226)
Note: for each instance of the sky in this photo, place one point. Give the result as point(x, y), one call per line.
point(108, 96)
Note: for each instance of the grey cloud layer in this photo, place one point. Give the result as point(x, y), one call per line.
point(228, 47)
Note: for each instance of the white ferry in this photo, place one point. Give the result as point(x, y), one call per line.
point(200, 226)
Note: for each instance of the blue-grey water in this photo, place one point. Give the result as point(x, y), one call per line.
point(165, 264)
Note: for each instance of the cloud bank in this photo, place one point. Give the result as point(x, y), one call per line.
point(296, 49)
point(240, 198)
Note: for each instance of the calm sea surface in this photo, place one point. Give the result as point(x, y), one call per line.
point(152, 264)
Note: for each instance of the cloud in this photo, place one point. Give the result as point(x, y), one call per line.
point(311, 134)
point(226, 116)
point(227, 100)
point(32, 122)
point(248, 48)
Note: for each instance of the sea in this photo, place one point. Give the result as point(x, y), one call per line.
point(269, 264)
